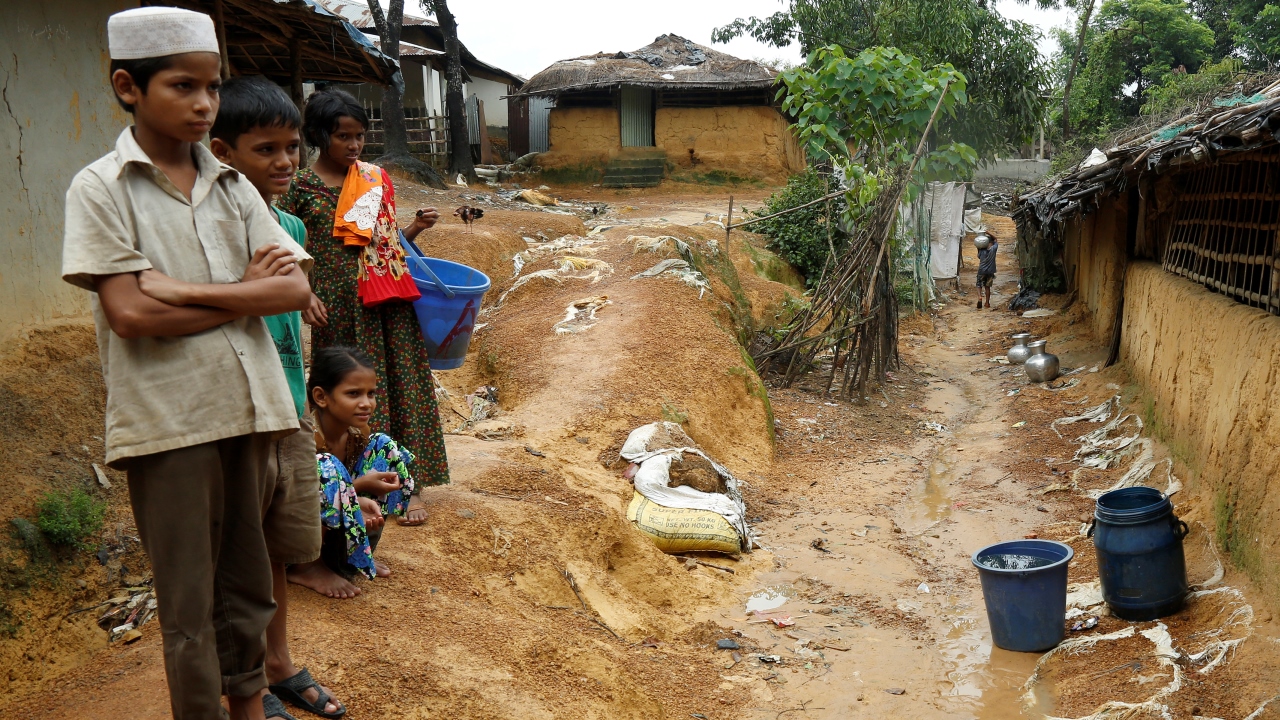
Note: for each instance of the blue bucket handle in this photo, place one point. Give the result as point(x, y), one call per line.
point(413, 253)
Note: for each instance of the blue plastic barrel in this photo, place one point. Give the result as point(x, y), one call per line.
point(1026, 601)
point(447, 322)
point(1140, 558)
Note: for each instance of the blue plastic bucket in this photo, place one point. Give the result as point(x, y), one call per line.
point(446, 322)
point(1140, 557)
point(1024, 584)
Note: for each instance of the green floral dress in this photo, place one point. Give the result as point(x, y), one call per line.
point(389, 332)
point(340, 505)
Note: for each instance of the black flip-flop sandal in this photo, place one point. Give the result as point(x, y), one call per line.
point(291, 689)
point(273, 708)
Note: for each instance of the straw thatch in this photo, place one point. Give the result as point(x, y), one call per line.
point(668, 63)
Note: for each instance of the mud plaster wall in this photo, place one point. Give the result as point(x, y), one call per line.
point(1212, 368)
point(1094, 257)
point(581, 136)
point(749, 141)
point(58, 114)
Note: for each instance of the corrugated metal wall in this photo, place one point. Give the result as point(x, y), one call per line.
point(539, 115)
point(473, 119)
point(637, 116)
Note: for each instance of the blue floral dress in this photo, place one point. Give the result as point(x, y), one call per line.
point(339, 504)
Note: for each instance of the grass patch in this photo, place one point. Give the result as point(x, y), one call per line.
point(70, 518)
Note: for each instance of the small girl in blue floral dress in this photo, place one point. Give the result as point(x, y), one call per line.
point(343, 390)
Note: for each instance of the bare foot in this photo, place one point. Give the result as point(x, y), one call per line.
point(381, 569)
point(317, 576)
point(417, 513)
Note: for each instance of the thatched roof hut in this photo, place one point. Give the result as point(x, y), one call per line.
point(671, 107)
point(668, 63)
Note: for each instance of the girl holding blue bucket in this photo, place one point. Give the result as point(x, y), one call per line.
point(361, 279)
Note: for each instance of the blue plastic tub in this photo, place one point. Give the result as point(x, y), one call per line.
point(1026, 601)
point(446, 322)
point(1140, 557)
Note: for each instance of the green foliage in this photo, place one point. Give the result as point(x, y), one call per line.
point(1259, 40)
point(674, 413)
point(1133, 47)
point(1006, 75)
point(875, 104)
point(800, 237)
point(70, 518)
point(1179, 91)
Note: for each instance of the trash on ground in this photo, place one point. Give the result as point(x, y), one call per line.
point(895, 691)
point(1020, 423)
point(679, 517)
point(580, 316)
point(1038, 313)
point(1087, 624)
point(533, 197)
point(679, 269)
point(1026, 299)
point(1098, 414)
point(101, 475)
point(727, 644)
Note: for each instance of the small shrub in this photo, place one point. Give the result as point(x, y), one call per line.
point(674, 413)
point(70, 518)
point(800, 237)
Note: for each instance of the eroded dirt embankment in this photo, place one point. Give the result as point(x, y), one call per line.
point(527, 594)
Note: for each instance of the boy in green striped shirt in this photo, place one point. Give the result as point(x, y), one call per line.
point(257, 133)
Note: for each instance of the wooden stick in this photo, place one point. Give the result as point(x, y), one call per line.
point(731, 571)
point(888, 228)
point(811, 203)
point(728, 224)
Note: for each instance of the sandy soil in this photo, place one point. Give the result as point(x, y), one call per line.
point(527, 594)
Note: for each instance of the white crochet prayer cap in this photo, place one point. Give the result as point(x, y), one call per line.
point(150, 32)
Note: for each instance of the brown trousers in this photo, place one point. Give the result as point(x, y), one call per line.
point(199, 514)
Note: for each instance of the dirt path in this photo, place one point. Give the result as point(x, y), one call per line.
point(872, 527)
point(868, 514)
point(891, 579)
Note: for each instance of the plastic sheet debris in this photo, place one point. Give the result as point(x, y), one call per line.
point(580, 316)
point(654, 447)
point(644, 243)
point(1026, 299)
point(1084, 595)
point(679, 269)
point(1098, 414)
point(1039, 313)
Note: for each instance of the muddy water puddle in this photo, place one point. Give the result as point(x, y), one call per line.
point(770, 598)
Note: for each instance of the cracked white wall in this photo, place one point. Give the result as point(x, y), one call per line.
point(57, 114)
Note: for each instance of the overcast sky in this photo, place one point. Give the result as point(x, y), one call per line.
point(525, 37)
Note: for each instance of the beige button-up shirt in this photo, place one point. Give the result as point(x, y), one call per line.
point(163, 393)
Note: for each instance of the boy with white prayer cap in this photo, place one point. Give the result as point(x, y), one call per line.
point(183, 259)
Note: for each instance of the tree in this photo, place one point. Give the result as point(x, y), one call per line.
point(1135, 46)
point(998, 57)
point(1075, 63)
point(395, 135)
point(455, 106)
point(395, 138)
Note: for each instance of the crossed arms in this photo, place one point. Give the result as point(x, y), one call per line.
point(152, 304)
